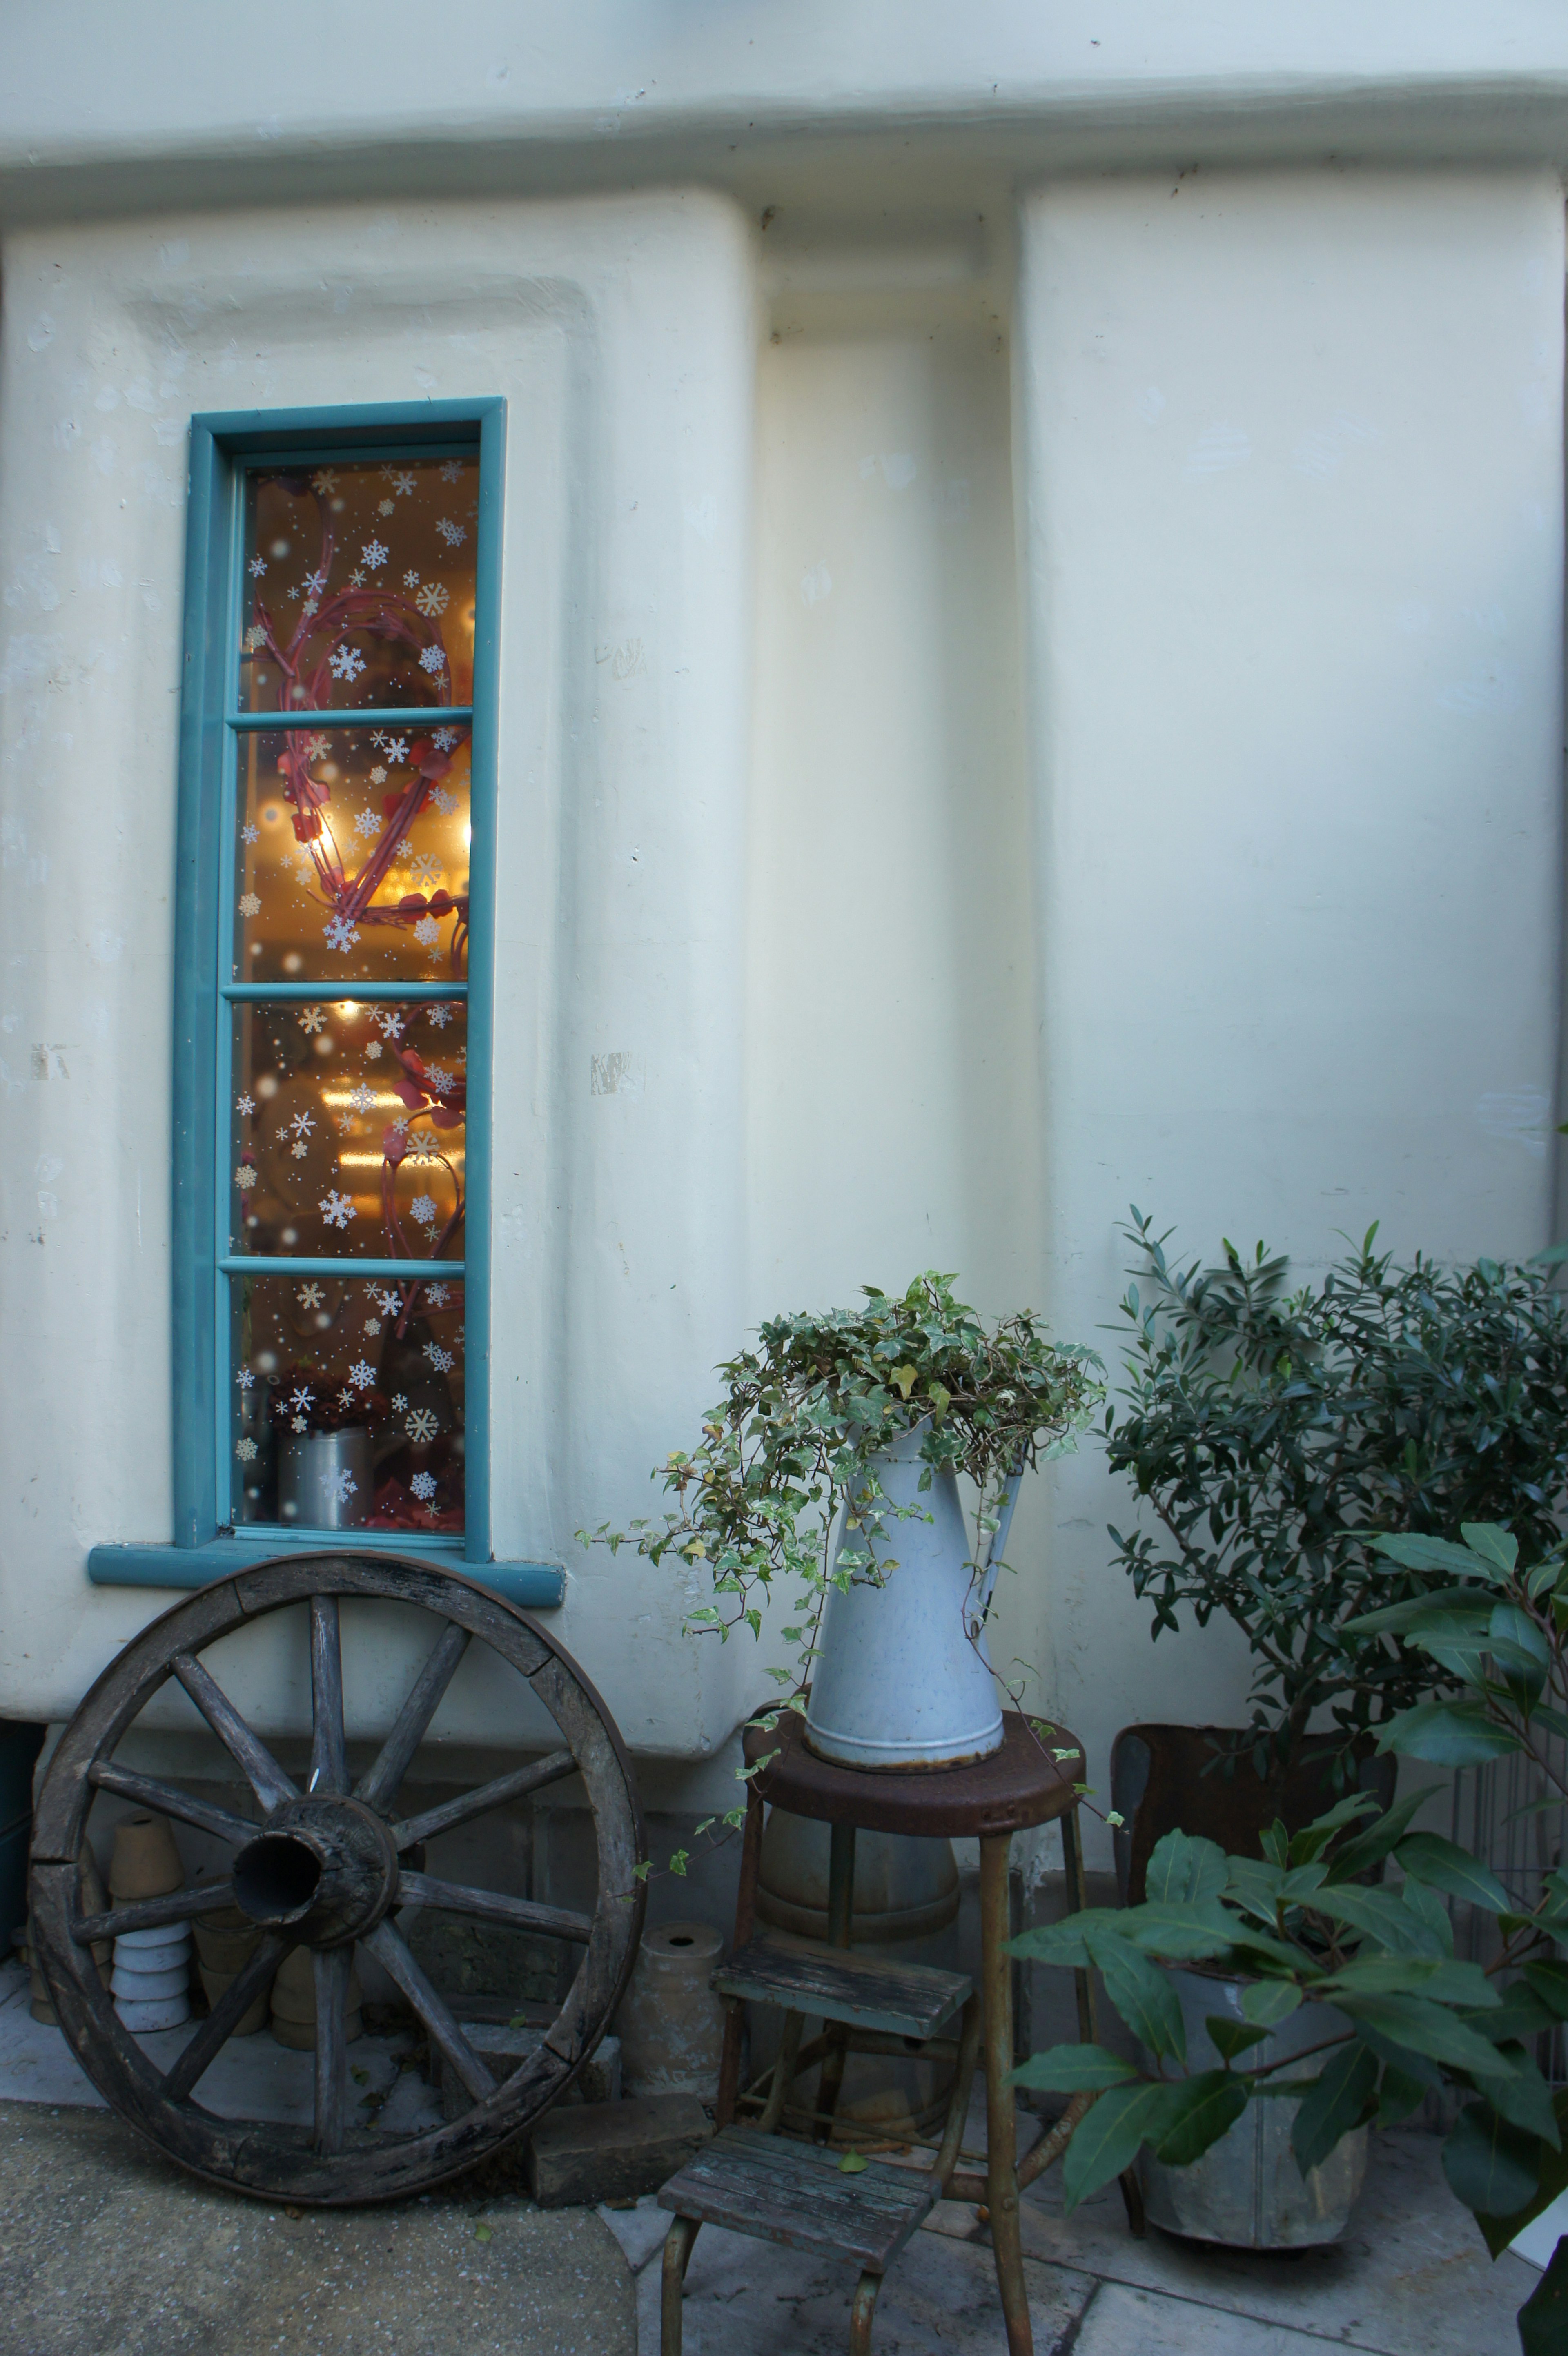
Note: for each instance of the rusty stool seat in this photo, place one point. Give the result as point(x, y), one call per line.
point(756, 2182)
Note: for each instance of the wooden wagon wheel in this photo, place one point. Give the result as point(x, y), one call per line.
point(328, 1867)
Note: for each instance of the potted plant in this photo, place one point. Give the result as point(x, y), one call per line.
point(1269, 1433)
point(828, 1468)
point(1350, 2001)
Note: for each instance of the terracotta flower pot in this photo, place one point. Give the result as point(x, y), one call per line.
point(255, 2016)
point(226, 1940)
point(294, 2003)
point(145, 1863)
point(671, 2024)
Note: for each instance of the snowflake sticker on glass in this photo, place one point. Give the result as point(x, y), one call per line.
point(321, 1423)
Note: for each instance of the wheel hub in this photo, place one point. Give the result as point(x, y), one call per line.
point(325, 1870)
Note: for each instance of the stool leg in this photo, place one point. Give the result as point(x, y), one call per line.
point(1088, 2011)
point(862, 2307)
point(1001, 2130)
point(784, 2071)
point(745, 1916)
point(677, 2257)
point(840, 1914)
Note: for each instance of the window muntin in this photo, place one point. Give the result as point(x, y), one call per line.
point(347, 857)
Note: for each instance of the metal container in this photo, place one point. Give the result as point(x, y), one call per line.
point(901, 1678)
point(1247, 2191)
point(325, 1479)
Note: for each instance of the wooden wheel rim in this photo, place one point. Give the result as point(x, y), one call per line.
point(262, 2157)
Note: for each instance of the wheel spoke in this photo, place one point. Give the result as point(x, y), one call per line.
point(391, 1953)
point(330, 1967)
point(148, 1914)
point(493, 1906)
point(328, 1755)
point(260, 1769)
point(224, 2019)
point(378, 1789)
point(484, 1797)
point(170, 1802)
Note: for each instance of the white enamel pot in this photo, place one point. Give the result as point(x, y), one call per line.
point(901, 1678)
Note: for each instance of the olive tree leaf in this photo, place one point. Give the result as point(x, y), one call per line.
point(1201, 2110)
point(1493, 2167)
point(1379, 1914)
point(1365, 1850)
point(1340, 2098)
point(1073, 2070)
point(1549, 1981)
point(1141, 1992)
point(1427, 1856)
point(1525, 2099)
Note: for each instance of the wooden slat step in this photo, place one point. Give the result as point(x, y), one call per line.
point(795, 2193)
point(837, 1984)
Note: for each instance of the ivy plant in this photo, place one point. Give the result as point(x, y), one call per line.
point(1301, 1927)
point(1270, 1431)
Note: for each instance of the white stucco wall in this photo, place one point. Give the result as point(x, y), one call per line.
point(623, 336)
point(985, 738)
point(1293, 561)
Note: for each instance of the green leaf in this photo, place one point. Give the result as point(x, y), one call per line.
point(1315, 1838)
point(1493, 1544)
point(1465, 1603)
point(1230, 2038)
point(1201, 2110)
point(1354, 1856)
point(1427, 1856)
point(1071, 2069)
point(1525, 2099)
point(1268, 2002)
point(1378, 1914)
point(1549, 1980)
point(1542, 2320)
point(481, 2233)
point(852, 2164)
point(1428, 1908)
point(1491, 2166)
point(1340, 2099)
point(1437, 1555)
point(1437, 1977)
point(1110, 2136)
point(1183, 1872)
point(1501, 2231)
point(1141, 1994)
point(1416, 2023)
point(1398, 2095)
point(1447, 1734)
point(1190, 1933)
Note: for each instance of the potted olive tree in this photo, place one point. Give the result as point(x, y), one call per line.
point(829, 1469)
point(1269, 1434)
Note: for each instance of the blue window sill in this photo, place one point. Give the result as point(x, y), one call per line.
point(535, 1586)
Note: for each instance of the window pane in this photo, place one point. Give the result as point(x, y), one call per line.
point(347, 1129)
point(359, 586)
point(348, 1410)
point(351, 862)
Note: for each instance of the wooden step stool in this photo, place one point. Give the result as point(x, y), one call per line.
point(754, 2181)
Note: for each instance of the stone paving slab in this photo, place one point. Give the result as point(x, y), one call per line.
point(106, 2249)
point(1123, 2322)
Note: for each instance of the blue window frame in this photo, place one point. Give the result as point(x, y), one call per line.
point(229, 731)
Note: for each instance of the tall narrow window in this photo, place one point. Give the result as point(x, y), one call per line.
point(344, 1061)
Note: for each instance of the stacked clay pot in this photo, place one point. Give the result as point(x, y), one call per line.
point(225, 1941)
point(151, 1979)
point(294, 2003)
point(95, 1901)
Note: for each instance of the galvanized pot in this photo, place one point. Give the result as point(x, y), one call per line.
point(325, 1479)
point(1247, 2191)
point(902, 1679)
